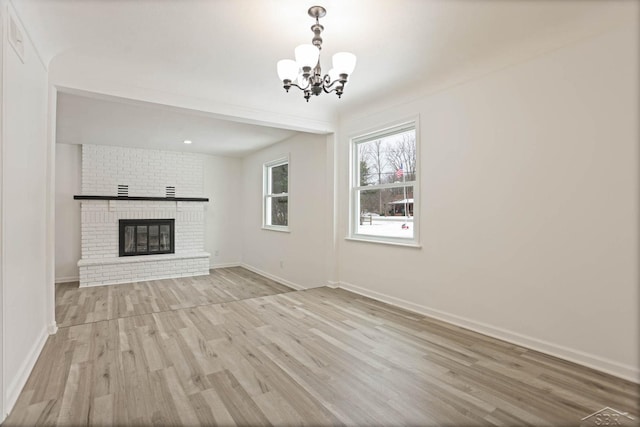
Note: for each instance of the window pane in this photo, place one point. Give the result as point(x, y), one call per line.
point(387, 212)
point(129, 239)
point(142, 238)
point(165, 238)
point(279, 209)
point(389, 159)
point(154, 243)
point(280, 179)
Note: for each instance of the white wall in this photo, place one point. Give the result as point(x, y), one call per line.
point(24, 214)
point(528, 208)
point(222, 222)
point(223, 219)
point(68, 184)
point(302, 250)
point(3, 405)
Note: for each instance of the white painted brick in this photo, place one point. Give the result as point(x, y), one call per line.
point(100, 241)
point(147, 173)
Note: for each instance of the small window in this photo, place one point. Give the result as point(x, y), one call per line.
point(276, 195)
point(384, 185)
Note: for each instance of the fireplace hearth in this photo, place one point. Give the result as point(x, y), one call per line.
point(146, 237)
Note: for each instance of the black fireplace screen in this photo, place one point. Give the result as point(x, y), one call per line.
point(146, 236)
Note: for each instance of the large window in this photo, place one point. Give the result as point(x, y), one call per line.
point(384, 190)
point(276, 195)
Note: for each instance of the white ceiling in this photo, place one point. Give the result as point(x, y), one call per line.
point(109, 121)
point(220, 55)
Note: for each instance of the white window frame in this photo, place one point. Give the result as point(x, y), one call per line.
point(267, 195)
point(354, 187)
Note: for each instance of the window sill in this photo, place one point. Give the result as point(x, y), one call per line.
point(279, 229)
point(383, 242)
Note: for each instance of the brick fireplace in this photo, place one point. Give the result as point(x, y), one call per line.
point(125, 184)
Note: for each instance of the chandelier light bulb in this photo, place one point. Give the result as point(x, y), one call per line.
point(344, 62)
point(307, 55)
point(334, 76)
point(287, 69)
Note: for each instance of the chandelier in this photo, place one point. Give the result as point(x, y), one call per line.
point(305, 72)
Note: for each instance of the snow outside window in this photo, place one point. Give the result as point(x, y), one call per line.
point(384, 196)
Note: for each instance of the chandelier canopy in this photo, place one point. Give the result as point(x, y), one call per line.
point(305, 72)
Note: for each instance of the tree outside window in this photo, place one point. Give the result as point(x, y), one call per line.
point(276, 194)
point(384, 183)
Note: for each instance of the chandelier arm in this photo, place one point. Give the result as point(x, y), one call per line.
point(300, 87)
point(329, 84)
point(335, 89)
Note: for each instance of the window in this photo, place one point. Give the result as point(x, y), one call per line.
point(384, 185)
point(276, 195)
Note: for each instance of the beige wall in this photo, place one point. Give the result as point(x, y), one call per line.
point(528, 205)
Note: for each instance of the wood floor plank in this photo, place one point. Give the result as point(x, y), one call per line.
point(235, 348)
point(237, 401)
point(76, 305)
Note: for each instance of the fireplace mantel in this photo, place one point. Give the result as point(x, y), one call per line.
point(138, 198)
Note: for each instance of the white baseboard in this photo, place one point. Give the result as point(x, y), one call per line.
point(333, 285)
point(627, 372)
point(285, 282)
point(213, 266)
point(52, 328)
point(20, 379)
point(66, 279)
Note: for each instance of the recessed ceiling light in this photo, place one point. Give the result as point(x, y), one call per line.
point(186, 141)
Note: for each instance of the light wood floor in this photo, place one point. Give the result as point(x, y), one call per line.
point(316, 357)
point(75, 306)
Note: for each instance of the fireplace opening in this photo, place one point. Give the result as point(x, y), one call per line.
point(146, 236)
